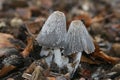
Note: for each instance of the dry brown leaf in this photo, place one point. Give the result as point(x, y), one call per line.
point(34, 27)
point(38, 74)
point(88, 60)
point(51, 78)
point(6, 69)
point(115, 50)
point(4, 40)
point(31, 68)
point(100, 54)
point(29, 47)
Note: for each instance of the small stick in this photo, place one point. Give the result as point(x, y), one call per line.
point(30, 40)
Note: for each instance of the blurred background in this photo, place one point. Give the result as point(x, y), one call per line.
point(101, 18)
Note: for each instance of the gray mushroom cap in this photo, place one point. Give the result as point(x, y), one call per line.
point(78, 39)
point(53, 31)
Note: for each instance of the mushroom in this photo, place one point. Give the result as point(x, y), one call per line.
point(52, 35)
point(45, 52)
point(77, 41)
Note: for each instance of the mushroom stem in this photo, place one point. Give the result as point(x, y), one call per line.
point(45, 52)
point(76, 62)
point(49, 54)
point(49, 59)
point(58, 58)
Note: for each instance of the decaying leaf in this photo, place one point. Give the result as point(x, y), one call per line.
point(10, 63)
point(7, 40)
point(100, 54)
point(6, 69)
point(38, 74)
point(88, 60)
point(34, 27)
point(115, 50)
point(22, 20)
point(28, 48)
point(51, 78)
point(4, 40)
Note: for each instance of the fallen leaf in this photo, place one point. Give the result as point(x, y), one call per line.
point(100, 54)
point(4, 40)
point(6, 69)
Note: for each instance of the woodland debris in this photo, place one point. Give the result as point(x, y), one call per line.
point(22, 20)
point(16, 22)
point(115, 50)
point(100, 54)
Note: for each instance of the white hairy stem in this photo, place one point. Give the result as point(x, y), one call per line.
point(49, 55)
point(49, 59)
point(58, 58)
point(76, 61)
point(44, 52)
point(65, 61)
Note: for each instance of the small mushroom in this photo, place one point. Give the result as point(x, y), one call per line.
point(52, 35)
point(77, 41)
point(48, 54)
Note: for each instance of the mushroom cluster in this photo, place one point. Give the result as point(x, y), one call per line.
point(54, 36)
